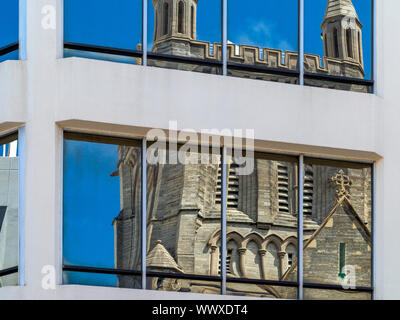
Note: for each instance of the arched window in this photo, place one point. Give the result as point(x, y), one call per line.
point(192, 22)
point(335, 42)
point(166, 16)
point(181, 11)
point(349, 43)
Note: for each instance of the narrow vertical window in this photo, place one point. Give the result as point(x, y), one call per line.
point(166, 15)
point(156, 26)
point(360, 58)
point(342, 259)
point(326, 45)
point(349, 43)
point(335, 42)
point(181, 10)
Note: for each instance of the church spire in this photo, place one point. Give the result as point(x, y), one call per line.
point(340, 8)
point(341, 30)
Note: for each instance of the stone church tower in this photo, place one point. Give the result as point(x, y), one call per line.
point(174, 26)
point(342, 37)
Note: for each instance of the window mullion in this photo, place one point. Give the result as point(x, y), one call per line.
point(300, 227)
point(301, 41)
point(223, 221)
point(144, 211)
point(224, 37)
point(144, 32)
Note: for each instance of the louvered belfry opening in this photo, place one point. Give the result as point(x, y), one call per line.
point(232, 185)
point(308, 190)
point(283, 188)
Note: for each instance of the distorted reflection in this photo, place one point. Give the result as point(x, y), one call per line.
point(261, 225)
point(337, 228)
point(185, 28)
point(263, 34)
point(8, 210)
point(345, 46)
point(9, 26)
point(183, 227)
point(102, 210)
point(182, 215)
point(115, 24)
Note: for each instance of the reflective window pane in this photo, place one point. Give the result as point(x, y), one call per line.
point(338, 41)
point(263, 33)
point(261, 222)
point(185, 28)
point(184, 218)
point(8, 209)
point(115, 24)
point(337, 224)
point(102, 208)
point(90, 279)
point(9, 12)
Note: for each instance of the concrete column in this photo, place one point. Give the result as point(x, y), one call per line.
point(43, 144)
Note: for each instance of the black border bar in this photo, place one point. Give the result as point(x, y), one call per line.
point(8, 271)
point(102, 49)
point(307, 285)
point(266, 70)
point(9, 48)
point(337, 79)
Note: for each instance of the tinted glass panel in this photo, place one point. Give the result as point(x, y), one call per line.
point(337, 224)
point(185, 28)
point(338, 39)
point(184, 218)
point(8, 209)
point(116, 24)
point(262, 225)
point(90, 279)
point(263, 33)
point(9, 11)
point(102, 209)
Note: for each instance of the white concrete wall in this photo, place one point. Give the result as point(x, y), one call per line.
point(46, 93)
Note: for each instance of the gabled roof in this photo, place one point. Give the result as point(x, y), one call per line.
point(341, 201)
point(159, 257)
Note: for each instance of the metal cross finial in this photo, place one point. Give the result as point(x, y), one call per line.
point(343, 183)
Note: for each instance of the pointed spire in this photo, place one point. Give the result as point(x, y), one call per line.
point(337, 8)
point(159, 257)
